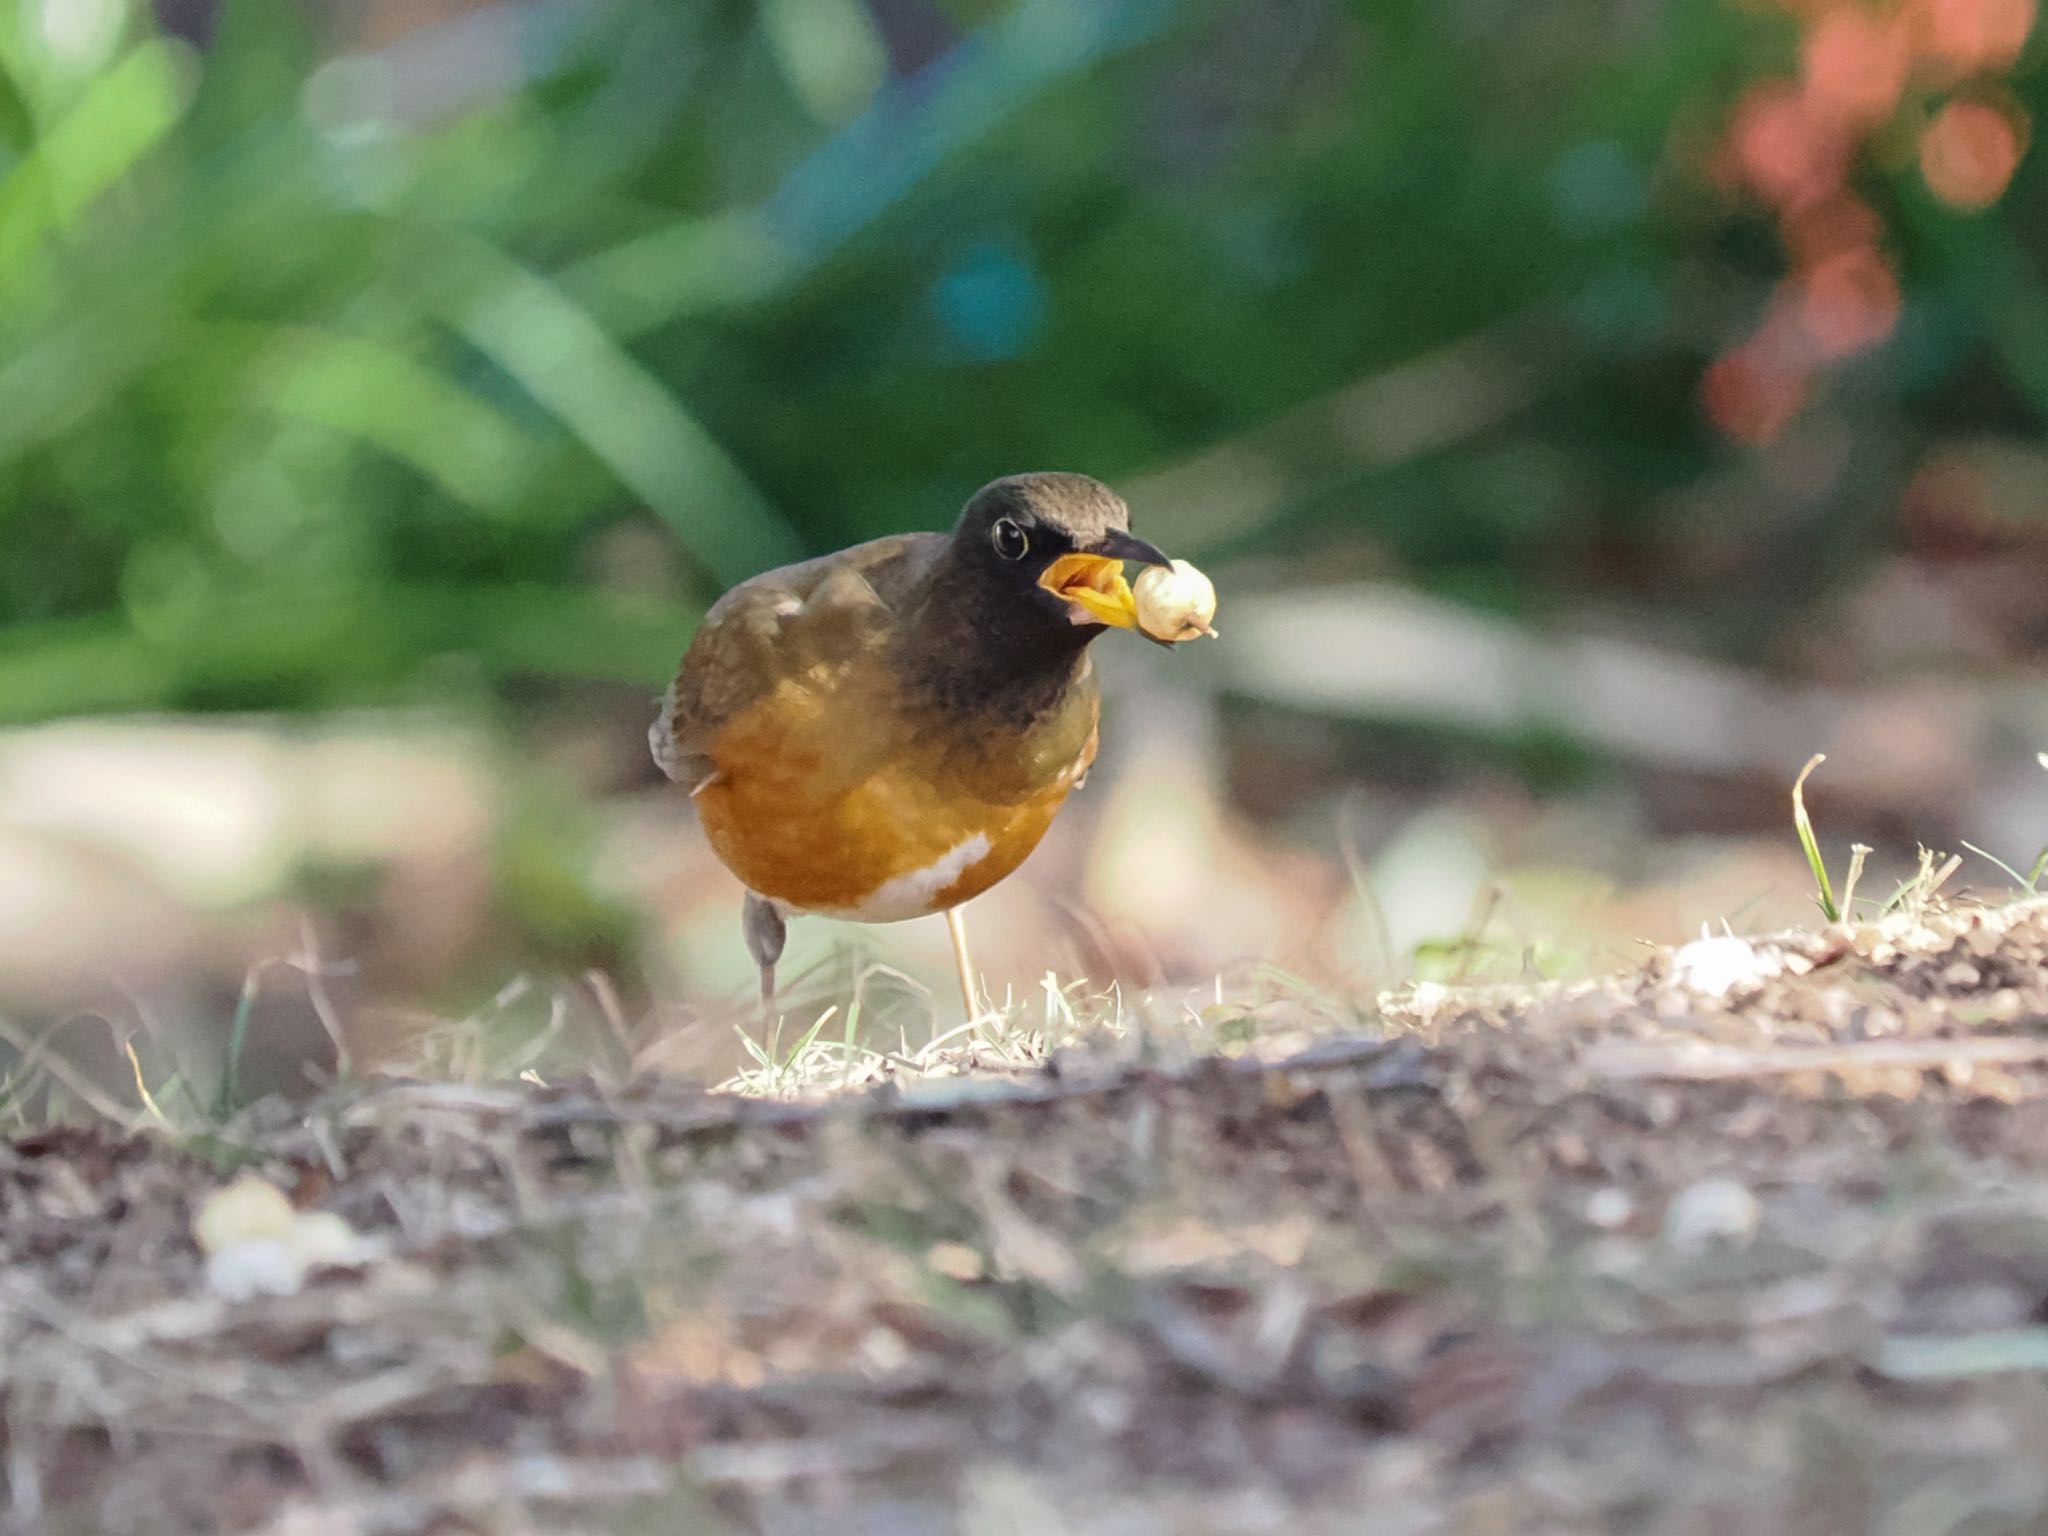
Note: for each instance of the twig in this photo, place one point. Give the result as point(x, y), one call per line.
point(1706, 1063)
point(614, 1016)
point(308, 964)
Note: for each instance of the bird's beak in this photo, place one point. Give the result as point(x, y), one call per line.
point(1092, 580)
point(1120, 545)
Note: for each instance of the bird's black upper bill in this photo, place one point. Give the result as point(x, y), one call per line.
point(1120, 545)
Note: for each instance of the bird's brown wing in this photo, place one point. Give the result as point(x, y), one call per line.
point(804, 620)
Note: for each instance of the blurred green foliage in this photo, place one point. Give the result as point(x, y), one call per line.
point(331, 376)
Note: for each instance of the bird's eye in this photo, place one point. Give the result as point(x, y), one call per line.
point(1010, 540)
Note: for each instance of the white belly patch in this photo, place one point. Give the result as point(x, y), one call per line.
point(912, 895)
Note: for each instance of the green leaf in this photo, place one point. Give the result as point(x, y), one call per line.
point(123, 116)
point(371, 391)
point(624, 416)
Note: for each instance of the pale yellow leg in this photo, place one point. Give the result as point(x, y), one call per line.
point(957, 927)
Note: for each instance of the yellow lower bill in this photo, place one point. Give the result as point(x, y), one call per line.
point(1095, 585)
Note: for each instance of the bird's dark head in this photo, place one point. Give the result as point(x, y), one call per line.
point(1052, 546)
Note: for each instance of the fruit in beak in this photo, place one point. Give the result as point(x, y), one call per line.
point(1175, 602)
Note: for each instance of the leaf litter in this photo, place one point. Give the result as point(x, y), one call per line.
point(1752, 1239)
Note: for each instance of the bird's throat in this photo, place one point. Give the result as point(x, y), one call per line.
point(999, 660)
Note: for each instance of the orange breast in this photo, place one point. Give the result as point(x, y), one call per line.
point(839, 804)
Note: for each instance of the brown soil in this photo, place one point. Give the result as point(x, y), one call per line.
point(1762, 1252)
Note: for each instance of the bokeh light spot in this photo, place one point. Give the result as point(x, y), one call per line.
point(1849, 302)
point(83, 33)
point(992, 304)
point(1973, 34)
point(1787, 153)
point(1854, 65)
point(1751, 394)
point(1969, 152)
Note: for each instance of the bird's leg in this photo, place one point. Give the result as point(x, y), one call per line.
point(956, 925)
point(766, 932)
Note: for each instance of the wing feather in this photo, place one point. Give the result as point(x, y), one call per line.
point(800, 620)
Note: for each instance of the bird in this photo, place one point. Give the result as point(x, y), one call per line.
point(885, 732)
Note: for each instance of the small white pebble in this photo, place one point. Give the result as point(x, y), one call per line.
point(1175, 602)
point(956, 1261)
point(1610, 1207)
point(1427, 998)
point(248, 1208)
point(1710, 1214)
point(254, 1266)
point(884, 1352)
point(1718, 966)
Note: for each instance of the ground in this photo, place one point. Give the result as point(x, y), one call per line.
point(1754, 1238)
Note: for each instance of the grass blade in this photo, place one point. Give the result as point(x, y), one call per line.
point(804, 1043)
point(1858, 852)
point(1804, 825)
point(142, 1084)
point(238, 1038)
point(2024, 882)
point(754, 1048)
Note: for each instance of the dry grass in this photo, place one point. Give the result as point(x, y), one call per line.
point(1751, 1234)
point(1013, 1036)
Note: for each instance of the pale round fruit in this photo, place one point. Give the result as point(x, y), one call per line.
point(1175, 602)
point(248, 1208)
point(321, 1237)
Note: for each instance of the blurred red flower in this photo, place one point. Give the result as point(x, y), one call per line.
point(1969, 152)
point(1854, 64)
point(1788, 152)
point(1848, 302)
point(1967, 35)
point(1751, 394)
